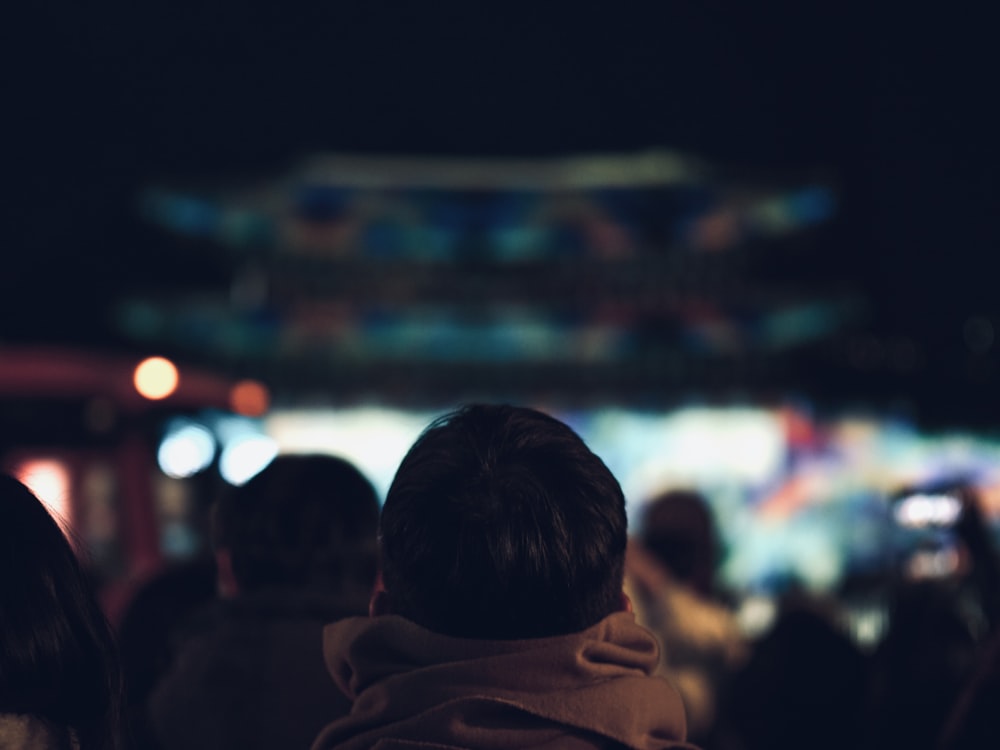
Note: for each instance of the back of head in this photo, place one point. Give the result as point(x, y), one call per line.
point(677, 527)
point(57, 657)
point(500, 523)
point(305, 521)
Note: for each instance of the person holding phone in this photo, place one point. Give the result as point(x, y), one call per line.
point(945, 605)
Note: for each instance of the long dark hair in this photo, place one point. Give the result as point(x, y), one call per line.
point(57, 654)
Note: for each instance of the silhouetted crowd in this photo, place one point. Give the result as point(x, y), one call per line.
point(494, 601)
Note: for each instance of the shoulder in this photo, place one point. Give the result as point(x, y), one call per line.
point(21, 732)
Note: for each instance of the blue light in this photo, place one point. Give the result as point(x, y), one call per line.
point(812, 205)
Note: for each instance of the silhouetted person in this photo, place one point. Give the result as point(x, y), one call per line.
point(919, 668)
point(973, 721)
point(670, 575)
point(802, 687)
point(926, 664)
point(60, 687)
point(295, 549)
point(502, 622)
point(149, 628)
point(677, 528)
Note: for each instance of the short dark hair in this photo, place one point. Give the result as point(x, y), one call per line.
point(58, 660)
point(307, 521)
point(500, 523)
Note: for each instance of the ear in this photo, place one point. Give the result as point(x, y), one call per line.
point(225, 579)
point(626, 603)
point(380, 604)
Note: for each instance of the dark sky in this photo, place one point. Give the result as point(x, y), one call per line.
point(897, 102)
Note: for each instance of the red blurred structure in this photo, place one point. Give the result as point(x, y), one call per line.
point(73, 423)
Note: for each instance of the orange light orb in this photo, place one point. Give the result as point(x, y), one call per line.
point(249, 398)
point(156, 378)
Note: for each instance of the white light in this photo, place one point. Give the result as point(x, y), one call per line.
point(755, 615)
point(691, 446)
point(928, 510)
point(868, 626)
point(245, 457)
point(744, 444)
point(373, 439)
point(186, 451)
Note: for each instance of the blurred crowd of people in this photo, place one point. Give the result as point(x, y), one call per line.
point(492, 601)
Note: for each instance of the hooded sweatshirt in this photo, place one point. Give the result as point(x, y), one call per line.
point(413, 688)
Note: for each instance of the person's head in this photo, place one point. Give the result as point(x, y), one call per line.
point(304, 522)
point(678, 529)
point(57, 654)
point(500, 523)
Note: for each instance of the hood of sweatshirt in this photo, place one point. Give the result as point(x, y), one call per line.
point(412, 687)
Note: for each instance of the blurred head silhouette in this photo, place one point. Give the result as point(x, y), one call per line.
point(58, 663)
point(304, 522)
point(678, 529)
point(803, 686)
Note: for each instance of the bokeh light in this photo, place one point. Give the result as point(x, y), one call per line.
point(186, 450)
point(249, 398)
point(245, 457)
point(156, 378)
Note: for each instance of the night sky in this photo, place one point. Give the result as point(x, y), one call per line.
point(897, 103)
